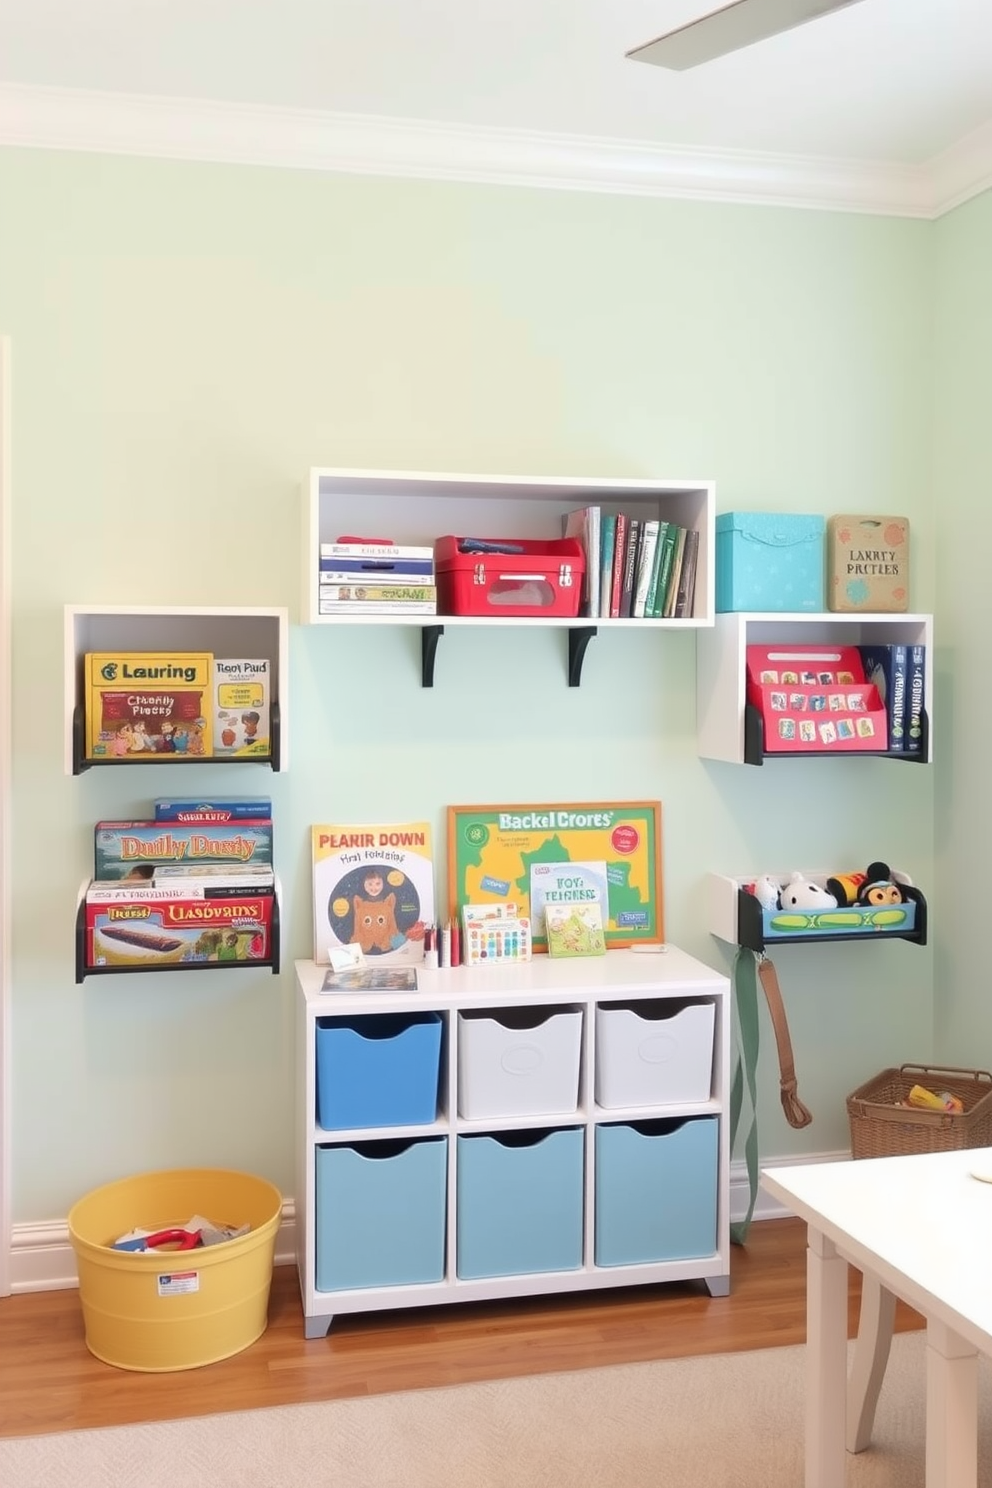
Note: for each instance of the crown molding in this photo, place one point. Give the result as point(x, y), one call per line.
point(193, 129)
point(962, 171)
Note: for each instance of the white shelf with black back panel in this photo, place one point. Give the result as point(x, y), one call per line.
point(728, 727)
point(734, 915)
point(258, 633)
point(418, 507)
point(624, 1183)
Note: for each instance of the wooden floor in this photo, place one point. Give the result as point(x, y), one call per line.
point(50, 1382)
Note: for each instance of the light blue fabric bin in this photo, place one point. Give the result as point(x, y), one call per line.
point(770, 561)
point(656, 1189)
point(519, 1203)
point(379, 1070)
point(380, 1213)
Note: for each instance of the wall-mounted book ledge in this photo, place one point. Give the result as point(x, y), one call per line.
point(755, 752)
point(147, 951)
point(80, 762)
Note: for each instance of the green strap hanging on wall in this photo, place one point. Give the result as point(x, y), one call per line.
point(748, 967)
point(745, 986)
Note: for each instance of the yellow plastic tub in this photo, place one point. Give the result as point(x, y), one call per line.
point(168, 1310)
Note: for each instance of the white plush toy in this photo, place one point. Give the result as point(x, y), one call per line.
point(766, 890)
point(802, 893)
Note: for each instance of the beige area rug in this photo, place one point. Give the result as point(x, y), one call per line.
point(724, 1421)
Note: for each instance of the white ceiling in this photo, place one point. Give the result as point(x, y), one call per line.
point(883, 82)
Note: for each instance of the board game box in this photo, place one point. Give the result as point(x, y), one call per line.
point(218, 809)
point(141, 848)
point(241, 692)
point(140, 705)
point(179, 932)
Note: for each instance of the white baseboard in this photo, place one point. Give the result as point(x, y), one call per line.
point(42, 1258)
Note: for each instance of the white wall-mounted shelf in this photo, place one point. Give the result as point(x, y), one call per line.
point(621, 976)
point(735, 916)
point(721, 685)
point(419, 507)
point(258, 633)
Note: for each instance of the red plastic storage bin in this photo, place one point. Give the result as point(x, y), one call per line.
point(544, 579)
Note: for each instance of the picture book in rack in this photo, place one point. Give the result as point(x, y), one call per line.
point(815, 699)
point(373, 886)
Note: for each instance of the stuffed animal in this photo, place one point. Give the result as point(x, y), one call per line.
point(874, 886)
point(801, 893)
point(766, 890)
point(879, 887)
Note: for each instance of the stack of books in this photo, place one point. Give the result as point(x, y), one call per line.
point(375, 576)
point(636, 567)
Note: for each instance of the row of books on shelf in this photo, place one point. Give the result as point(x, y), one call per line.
point(834, 697)
point(636, 567)
point(371, 577)
point(193, 883)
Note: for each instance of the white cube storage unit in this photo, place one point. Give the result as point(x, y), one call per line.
point(455, 1142)
point(518, 1062)
point(653, 1053)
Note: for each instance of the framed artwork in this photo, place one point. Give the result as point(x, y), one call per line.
point(501, 852)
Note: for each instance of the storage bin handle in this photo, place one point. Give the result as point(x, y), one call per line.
point(945, 1069)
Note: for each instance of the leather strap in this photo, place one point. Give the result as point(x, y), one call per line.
point(743, 1090)
point(796, 1114)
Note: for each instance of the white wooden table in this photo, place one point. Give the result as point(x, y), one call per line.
point(919, 1228)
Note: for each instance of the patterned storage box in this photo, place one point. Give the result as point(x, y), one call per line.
point(769, 561)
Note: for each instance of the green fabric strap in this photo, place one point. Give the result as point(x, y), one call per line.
point(745, 986)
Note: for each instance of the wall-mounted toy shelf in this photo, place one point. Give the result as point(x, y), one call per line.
point(736, 916)
point(256, 633)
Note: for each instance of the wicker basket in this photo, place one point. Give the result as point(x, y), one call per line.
point(881, 1128)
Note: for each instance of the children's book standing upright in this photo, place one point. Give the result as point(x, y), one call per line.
point(373, 886)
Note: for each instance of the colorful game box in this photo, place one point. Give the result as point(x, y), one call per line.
point(241, 691)
point(141, 848)
point(179, 932)
point(195, 809)
point(140, 705)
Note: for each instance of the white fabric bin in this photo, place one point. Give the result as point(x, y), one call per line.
point(653, 1053)
point(519, 1062)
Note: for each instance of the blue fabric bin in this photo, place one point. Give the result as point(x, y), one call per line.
point(770, 561)
point(381, 1213)
point(378, 1070)
point(656, 1191)
point(519, 1203)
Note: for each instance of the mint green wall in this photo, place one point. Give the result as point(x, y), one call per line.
point(188, 340)
point(962, 489)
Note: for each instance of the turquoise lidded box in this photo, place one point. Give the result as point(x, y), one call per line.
point(770, 561)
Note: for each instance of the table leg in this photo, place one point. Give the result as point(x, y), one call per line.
point(826, 1362)
point(871, 1354)
point(952, 1409)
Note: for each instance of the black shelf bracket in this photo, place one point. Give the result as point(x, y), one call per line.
point(578, 640)
point(429, 637)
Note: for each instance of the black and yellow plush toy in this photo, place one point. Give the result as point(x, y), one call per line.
point(875, 886)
